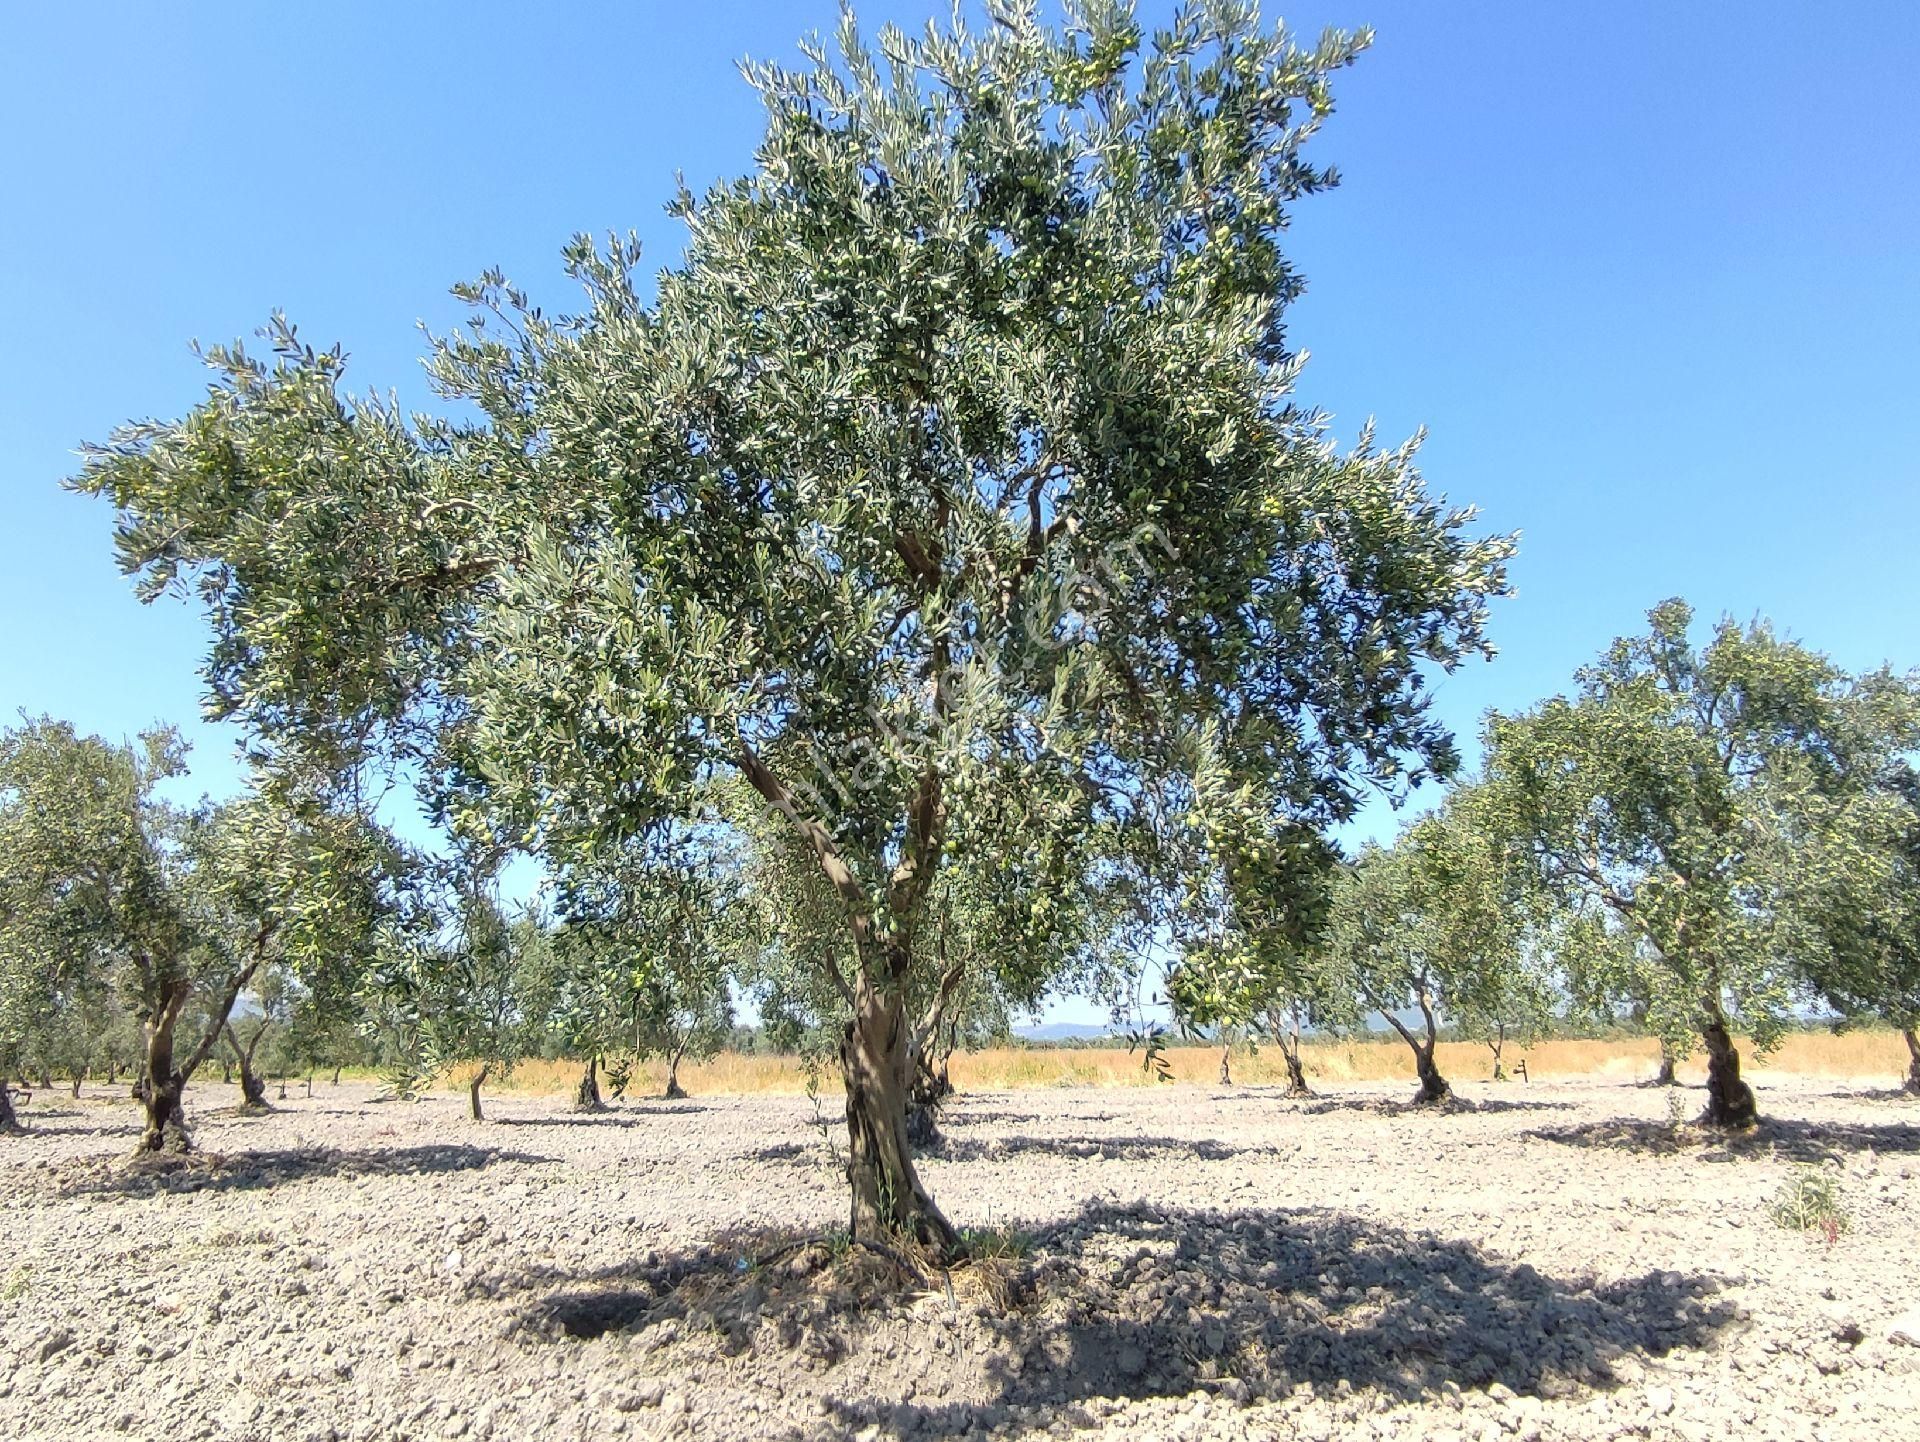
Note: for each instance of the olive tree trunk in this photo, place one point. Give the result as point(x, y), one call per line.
point(9, 1122)
point(889, 1204)
point(1296, 1073)
point(1730, 1102)
point(1433, 1086)
point(473, 1093)
point(675, 1092)
point(930, 1084)
point(1666, 1075)
point(1913, 1065)
point(253, 1086)
point(586, 1097)
point(1497, 1043)
point(1226, 1063)
point(1285, 1027)
point(164, 1085)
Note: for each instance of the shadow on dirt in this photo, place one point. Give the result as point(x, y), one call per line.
point(954, 1114)
point(1107, 1149)
point(248, 1171)
point(946, 1147)
point(624, 1117)
point(1789, 1138)
point(1138, 1301)
point(1406, 1107)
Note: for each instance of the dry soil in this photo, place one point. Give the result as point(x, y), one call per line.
point(1539, 1262)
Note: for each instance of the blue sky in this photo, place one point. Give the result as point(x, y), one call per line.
point(1649, 274)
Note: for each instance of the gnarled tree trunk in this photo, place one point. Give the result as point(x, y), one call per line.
point(336, 1073)
point(9, 1122)
point(1433, 1086)
point(473, 1093)
point(1730, 1102)
point(253, 1087)
point(929, 1082)
point(79, 1077)
point(1287, 1038)
point(1226, 1067)
point(675, 1092)
point(586, 1096)
point(166, 1128)
point(1497, 1043)
point(1296, 1073)
point(888, 1201)
point(1913, 1066)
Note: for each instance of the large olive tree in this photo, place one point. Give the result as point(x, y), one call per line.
point(959, 453)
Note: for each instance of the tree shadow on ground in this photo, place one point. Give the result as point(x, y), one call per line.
point(1140, 1301)
point(959, 1115)
point(148, 1176)
point(1898, 1095)
point(1792, 1138)
point(1107, 1148)
point(624, 1117)
point(1407, 1107)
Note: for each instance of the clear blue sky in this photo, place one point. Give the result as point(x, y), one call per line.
point(1649, 273)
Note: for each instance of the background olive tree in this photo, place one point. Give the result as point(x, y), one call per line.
point(1661, 801)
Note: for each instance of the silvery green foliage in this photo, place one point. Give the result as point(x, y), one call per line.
point(958, 459)
point(1666, 806)
point(1852, 868)
point(455, 993)
point(653, 935)
point(1436, 923)
point(108, 887)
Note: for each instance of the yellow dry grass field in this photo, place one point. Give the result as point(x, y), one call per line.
point(1859, 1055)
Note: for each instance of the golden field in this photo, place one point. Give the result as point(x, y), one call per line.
point(1859, 1055)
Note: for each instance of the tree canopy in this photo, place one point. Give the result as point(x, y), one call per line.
point(958, 456)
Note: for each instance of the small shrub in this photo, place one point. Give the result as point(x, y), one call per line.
point(996, 1244)
point(1808, 1201)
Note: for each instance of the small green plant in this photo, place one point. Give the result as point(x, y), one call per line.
point(812, 1065)
point(17, 1282)
point(1006, 1244)
point(1809, 1201)
point(1676, 1111)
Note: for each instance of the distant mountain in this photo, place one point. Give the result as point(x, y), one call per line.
point(1063, 1031)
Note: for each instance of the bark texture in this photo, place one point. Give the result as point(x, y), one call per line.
point(674, 1092)
point(473, 1094)
point(1730, 1102)
point(889, 1204)
point(1296, 1073)
point(1913, 1066)
point(163, 1083)
point(9, 1122)
point(253, 1086)
point(586, 1097)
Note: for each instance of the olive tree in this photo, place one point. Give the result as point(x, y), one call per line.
point(453, 996)
point(959, 453)
point(1434, 925)
point(178, 910)
point(1854, 889)
point(653, 937)
point(1660, 796)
